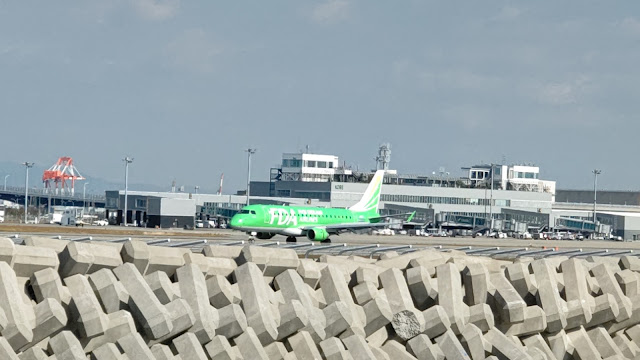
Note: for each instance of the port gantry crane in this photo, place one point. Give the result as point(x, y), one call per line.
point(57, 176)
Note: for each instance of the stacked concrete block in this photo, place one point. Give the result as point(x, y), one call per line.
point(407, 320)
point(165, 259)
point(476, 284)
point(27, 260)
point(524, 283)
point(56, 245)
point(260, 315)
point(310, 270)
point(85, 258)
point(422, 348)
point(110, 291)
point(65, 346)
point(162, 287)
point(7, 250)
point(211, 266)
point(451, 346)
point(46, 283)
point(220, 349)
point(609, 285)
point(107, 351)
point(250, 346)
point(18, 330)
point(144, 305)
point(134, 347)
point(333, 349)
point(188, 346)
point(193, 289)
point(221, 292)
point(271, 261)
point(51, 318)
point(219, 251)
point(549, 295)
point(121, 324)
point(137, 301)
point(424, 289)
point(450, 296)
point(507, 303)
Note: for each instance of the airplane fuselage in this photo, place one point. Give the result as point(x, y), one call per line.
point(290, 220)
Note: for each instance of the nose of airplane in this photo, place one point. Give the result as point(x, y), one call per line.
point(235, 221)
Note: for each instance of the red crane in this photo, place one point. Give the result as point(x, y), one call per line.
point(59, 173)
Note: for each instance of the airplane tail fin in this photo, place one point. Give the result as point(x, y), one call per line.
point(371, 197)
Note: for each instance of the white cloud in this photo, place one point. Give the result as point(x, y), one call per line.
point(156, 9)
point(562, 93)
point(331, 11)
point(508, 13)
point(558, 94)
point(631, 25)
point(193, 50)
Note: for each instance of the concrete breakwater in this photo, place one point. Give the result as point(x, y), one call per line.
point(78, 300)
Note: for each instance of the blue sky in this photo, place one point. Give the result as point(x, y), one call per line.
point(184, 87)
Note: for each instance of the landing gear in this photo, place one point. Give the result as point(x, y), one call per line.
point(326, 241)
point(291, 239)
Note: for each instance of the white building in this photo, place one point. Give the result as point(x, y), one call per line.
point(510, 177)
point(310, 167)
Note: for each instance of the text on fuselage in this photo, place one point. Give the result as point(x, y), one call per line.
point(290, 217)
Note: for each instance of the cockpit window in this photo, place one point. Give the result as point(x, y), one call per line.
point(253, 212)
point(244, 211)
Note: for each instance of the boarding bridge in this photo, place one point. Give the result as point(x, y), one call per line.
point(575, 225)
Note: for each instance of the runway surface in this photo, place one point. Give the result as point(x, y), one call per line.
point(345, 244)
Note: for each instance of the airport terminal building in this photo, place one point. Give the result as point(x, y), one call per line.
point(500, 192)
point(510, 197)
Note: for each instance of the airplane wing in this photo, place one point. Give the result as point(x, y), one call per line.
point(340, 228)
point(378, 219)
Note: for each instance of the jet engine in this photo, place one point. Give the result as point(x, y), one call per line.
point(264, 235)
point(317, 234)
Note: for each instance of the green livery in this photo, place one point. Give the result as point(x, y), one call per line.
point(265, 221)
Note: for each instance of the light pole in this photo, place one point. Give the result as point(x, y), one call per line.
point(127, 160)
point(250, 152)
point(491, 201)
point(595, 172)
point(196, 189)
point(84, 196)
point(27, 165)
point(5, 182)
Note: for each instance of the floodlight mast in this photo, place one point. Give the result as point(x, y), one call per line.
point(27, 165)
point(250, 152)
point(127, 160)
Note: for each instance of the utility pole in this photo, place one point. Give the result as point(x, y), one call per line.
point(250, 152)
point(84, 196)
point(26, 188)
point(595, 172)
point(127, 160)
point(491, 202)
point(5, 182)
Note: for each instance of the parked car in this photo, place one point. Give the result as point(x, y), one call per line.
point(101, 222)
point(524, 235)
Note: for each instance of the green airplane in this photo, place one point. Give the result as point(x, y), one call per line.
point(317, 224)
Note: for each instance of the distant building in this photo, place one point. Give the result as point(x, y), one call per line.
point(180, 209)
point(309, 167)
point(510, 177)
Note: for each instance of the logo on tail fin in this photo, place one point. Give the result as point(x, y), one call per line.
point(371, 197)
